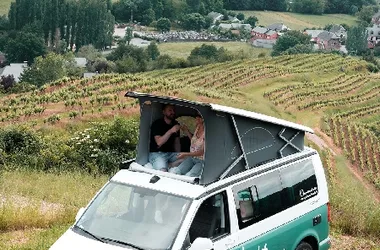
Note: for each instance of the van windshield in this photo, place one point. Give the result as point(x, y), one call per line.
point(134, 216)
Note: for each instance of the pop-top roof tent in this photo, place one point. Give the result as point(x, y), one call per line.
point(235, 139)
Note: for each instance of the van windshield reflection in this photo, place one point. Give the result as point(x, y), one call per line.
point(135, 216)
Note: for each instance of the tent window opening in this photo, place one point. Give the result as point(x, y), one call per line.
point(177, 135)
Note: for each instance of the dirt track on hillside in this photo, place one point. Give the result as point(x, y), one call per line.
point(323, 141)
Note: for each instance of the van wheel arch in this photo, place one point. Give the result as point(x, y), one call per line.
point(308, 243)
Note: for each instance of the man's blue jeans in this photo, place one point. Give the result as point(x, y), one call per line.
point(191, 166)
point(161, 160)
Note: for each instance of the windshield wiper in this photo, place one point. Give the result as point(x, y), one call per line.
point(87, 232)
point(123, 243)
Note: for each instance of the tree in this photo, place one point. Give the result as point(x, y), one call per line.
point(102, 65)
point(24, 47)
point(148, 17)
point(7, 82)
point(163, 24)
point(210, 53)
point(240, 16)
point(152, 51)
point(45, 70)
point(289, 40)
point(299, 49)
point(128, 35)
point(357, 40)
point(309, 6)
point(366, 13)
point(4, 23)
point(89, 52)
point(194, 21)
point(252, 20)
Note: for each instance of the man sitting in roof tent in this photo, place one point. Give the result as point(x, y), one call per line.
point(165, 140)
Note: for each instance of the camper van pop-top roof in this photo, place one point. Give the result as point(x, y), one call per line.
point(235, 140)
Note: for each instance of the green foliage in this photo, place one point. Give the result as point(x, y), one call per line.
point(206, 53)
point(102, 65)
point(299, 49)
point(366, 13)
point(130, 64)
point(97, 149)
point(127, 50)
point(346, 6)
point(309, 6)
point(357, 40)
point(19, 140)
point(4, 23)
point(240, 16)
point(75, 22)
point(128, 35)
point(152, 51)
point(252, 20)
point(194, 21)
point(89, 52)
point(289, 40)
point(7, 82)
point(45, 70)
point(106, 145)
point(163, 24)
point(24, 47)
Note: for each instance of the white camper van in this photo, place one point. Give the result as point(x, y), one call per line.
point(260, 189)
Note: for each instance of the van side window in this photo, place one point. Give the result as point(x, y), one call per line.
point(211, 220)
point(275, 192)
point(299, 183)
point(259, 201)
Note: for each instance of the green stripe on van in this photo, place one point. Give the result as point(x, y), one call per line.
point(288, 236)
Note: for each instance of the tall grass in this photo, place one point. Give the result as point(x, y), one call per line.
point(355, 210)
point(15, 216)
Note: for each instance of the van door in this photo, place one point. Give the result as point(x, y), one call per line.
point(212, 221)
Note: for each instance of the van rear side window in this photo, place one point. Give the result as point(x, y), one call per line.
point(274, 192)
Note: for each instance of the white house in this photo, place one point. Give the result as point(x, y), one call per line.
point(14, 69)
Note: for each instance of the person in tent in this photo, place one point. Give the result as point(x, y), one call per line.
point(165, 140)
point(192, 164)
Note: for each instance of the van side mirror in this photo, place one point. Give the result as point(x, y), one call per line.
point(202, 244)
point(79, 214)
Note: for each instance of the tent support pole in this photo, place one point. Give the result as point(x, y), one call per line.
point(240, 142)
point(225, 173)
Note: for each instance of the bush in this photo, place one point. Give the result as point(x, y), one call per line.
point(7, 82)
point(98, 149)
point(19, 140)
point(105, 145)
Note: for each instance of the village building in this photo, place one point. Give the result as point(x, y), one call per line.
point(263, 33)
point(278, 27)
point(15, 69)
point(235, 26)
point(328, 41)
point(376, 18)
point(339, 31)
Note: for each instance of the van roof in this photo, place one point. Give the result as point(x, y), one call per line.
point(165, 184)
point(261, 117)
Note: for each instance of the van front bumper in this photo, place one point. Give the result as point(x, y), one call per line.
point(325, 244)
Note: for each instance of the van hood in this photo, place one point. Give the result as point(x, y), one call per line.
point(73, 241)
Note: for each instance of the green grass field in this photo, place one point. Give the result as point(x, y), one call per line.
point(182, 50)
point(297, 21)
point(4, 6)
